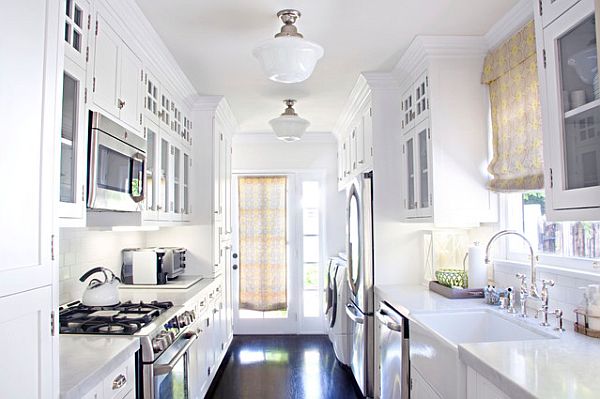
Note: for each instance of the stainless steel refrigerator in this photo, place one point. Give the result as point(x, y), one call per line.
point(360, 307)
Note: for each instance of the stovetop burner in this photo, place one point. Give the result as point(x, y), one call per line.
point(123, 319)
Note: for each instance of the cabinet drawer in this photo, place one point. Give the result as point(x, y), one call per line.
point(120, 381)
point(96, 393)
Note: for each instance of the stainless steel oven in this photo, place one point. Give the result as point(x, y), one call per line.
point(116, 166)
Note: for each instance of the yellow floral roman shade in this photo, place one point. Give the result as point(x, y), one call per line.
point(263, 242)
point(511, 73)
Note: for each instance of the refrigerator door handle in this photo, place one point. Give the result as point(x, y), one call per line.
point(350, 266)
point(352, 314)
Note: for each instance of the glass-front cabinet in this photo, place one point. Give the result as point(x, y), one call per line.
point(72, 147)
point(152, 167)
point(572, 126)
point(416, 168)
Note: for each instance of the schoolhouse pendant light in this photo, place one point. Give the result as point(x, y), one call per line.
point(288, 58)
point(289, 126)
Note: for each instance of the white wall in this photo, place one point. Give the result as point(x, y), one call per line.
point(318, 152)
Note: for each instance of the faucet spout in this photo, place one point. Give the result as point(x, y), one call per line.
point(533, 287)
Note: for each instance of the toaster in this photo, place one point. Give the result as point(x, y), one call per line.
point(143, 266)
point(174, 261)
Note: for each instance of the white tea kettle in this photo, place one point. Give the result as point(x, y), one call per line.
point(101, 293)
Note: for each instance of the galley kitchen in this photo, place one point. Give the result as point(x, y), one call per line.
point(288, 200)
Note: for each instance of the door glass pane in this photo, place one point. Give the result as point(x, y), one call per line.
point(151, 154)
point(311, 248)
point(581, 101)
point(354, 239)
point(177, 181)
point(423, 171)
point(164, 175)
point(410, 168)
point(68, 139)
point(311, 303)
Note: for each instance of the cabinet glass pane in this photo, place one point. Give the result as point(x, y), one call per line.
point(186, 182)
point(410, 168)
point(177, 181)
point(581, 103)
point(164, 176)
point(68, 139)
point(150, 160)
point(423, 170)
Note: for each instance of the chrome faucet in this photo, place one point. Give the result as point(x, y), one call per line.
point(545, 298)
point(523, 294)
point(533, 291)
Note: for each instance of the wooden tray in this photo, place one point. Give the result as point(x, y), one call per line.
point(455, 293)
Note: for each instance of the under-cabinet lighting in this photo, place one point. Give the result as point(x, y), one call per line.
point(134, 228)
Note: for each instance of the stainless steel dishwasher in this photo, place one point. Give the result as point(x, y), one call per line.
point(394, 377)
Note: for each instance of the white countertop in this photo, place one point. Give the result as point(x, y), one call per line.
point(555, 368)
point(86, 359)
point(177, 296)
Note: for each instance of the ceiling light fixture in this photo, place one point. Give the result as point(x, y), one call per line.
point(288, 58)
point(289, 126)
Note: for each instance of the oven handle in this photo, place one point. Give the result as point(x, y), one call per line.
point(386, 320)
point(141, 158)
point(167, 368)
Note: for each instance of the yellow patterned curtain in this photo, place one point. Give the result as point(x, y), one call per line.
point(263, 253)
point(511, 73)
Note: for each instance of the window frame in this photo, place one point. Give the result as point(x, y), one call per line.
point(508, 203)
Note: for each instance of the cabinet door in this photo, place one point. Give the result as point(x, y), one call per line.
point(151, 97)
point(421, 99)
point(187, 179)
point(165, 200)
point(228, 295)
point(27, 339)
point(423, 175)
point(210, 337)
point(420, 389)
point(367, 131)
point(340, 159)
point(153, 157)
point(130, 80)
point(227, 184)
point(73, 140)
point(410, 180)
point(223, 149)
point(77, 28)
point(105, 84)
point(549, 10)
point(348, 157)
point(407, 109)
point(198, 374)
point(574, 109)
point(217, 204)
point(353, 150)
point(177, 183)
point(29, 142)
point(165, 109)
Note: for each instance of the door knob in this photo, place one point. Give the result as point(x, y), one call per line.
point(234, 256)
point(235, 267)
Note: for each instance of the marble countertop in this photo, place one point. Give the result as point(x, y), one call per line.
point(86, 359)
point(548, 368)
point(176, 295)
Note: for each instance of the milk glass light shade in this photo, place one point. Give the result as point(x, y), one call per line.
point(289, 126)
point(288, 58)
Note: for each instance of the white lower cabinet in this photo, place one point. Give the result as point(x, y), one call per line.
point(419, 388)
point(479, 387)
point(118, 384)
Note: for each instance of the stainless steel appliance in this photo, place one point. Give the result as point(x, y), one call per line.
point(394, 379)
point(144, 266)
point(116, 170)
point(166, 334)
point(359, 233)
point(174, 261)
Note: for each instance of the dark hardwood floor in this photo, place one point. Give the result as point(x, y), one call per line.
point(283, 366)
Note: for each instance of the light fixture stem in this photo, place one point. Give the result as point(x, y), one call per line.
point(289, 111)
point(289, 18)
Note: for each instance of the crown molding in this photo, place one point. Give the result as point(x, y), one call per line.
point(221, 109)
point(154, 54)
point(510, 23)
point(269, 137)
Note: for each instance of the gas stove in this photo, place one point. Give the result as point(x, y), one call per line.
point(124, 319)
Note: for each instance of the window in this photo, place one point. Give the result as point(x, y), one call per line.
point(311, 240)
point(567, 244)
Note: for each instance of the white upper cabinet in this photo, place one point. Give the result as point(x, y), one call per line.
point(355, 151)
point(151, 98)
point(416, 163)
point(117, 76)
point(549, 10)
point(571, 112)
point(77, 28)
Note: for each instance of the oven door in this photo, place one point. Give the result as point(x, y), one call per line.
point(171, 370)
point(116, 174)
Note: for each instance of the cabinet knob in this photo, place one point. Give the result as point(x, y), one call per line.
point(120, 103)
point(119, 382)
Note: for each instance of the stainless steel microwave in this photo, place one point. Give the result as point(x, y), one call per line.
point(116, 166)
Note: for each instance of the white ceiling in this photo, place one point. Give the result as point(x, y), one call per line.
point(213, 40)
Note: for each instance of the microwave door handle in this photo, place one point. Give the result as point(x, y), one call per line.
point(167, 368)
point(139, 157)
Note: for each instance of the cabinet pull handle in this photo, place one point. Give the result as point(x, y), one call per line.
point(120, 103)
point(119, 382)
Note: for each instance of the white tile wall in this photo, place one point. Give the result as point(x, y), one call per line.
point(564, 295)
point(81, 249)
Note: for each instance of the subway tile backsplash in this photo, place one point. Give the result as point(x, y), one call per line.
point(81, 249)
point(565, 294)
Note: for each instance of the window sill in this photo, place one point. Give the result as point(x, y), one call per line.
point(521, 266)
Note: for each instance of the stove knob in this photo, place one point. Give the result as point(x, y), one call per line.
point(171, 336)
point(160, 343)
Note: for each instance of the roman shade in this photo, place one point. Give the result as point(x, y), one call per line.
point(511, 73)
point(263, 242)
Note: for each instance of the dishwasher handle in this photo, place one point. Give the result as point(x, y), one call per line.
point(386, 320)
point(352, 314)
